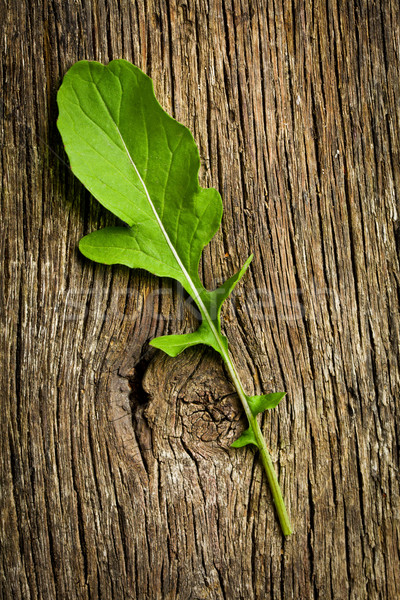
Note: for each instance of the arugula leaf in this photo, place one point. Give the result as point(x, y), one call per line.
point(246, 438)
point(143, 166)
point(265, 402)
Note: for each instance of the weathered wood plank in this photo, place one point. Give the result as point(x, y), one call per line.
point(117, 478)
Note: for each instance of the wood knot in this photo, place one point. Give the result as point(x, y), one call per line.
point(192, 399)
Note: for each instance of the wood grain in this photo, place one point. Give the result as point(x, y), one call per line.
point(117, 480)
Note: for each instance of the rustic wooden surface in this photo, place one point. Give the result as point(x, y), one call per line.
point(117, 477)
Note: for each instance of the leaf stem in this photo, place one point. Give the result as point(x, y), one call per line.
point(265, 456)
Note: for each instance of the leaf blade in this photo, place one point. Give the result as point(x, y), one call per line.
point(264, 402)
point(117, 127)
point(139, 168)
point(245, 439)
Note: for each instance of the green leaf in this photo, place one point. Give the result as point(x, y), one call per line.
point(260, 403)
point(214, 300)
point(257, 405)
point(175, 344)
point(246, 438)
point(143, 166)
